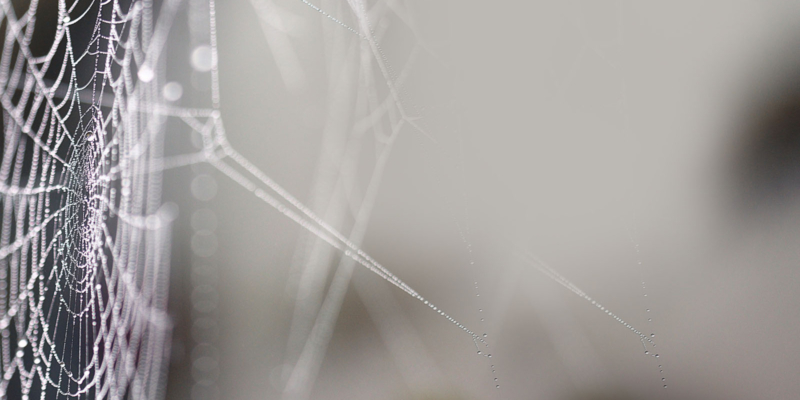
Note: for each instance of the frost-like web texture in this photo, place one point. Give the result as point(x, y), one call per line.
point(84, 245)
point(84, 241)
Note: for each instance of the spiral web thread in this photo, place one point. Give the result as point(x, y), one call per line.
point(84, 245)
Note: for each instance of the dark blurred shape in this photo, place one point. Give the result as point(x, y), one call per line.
point(767, 166)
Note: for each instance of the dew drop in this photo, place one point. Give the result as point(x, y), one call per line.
point(202, 60)
point(145, 74)
point(172, 91)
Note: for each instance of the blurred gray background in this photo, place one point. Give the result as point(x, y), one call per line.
point(647, 151)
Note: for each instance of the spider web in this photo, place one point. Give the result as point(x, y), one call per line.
point(84, 243)
point(84, 246)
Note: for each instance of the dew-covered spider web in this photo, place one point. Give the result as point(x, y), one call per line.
point(84, 244)
point(85, 239)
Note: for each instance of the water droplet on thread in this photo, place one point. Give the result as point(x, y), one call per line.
point(172, 91)
point(145, 74)
point(201, 59)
